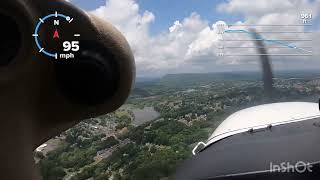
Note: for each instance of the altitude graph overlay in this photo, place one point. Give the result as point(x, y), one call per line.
point(279, 39)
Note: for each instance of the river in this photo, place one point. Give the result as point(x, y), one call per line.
point(144, 115)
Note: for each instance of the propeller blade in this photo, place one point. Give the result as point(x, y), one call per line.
point(267, 75)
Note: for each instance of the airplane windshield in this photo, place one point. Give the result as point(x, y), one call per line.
point(205, 71)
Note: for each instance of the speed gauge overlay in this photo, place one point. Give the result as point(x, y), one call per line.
point(61, 42)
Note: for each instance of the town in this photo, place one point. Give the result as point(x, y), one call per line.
point(161, 122)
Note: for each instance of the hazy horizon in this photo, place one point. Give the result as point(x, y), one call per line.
point(183, 37)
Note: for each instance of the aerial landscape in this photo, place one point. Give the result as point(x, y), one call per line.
point(161, 122)
point(197, 62)
point(160, 90)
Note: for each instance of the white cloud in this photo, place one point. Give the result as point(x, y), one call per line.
point(175, 26)
point(260, 7)
point(189, 45)
point(166, 52)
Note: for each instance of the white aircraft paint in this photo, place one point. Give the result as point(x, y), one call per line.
point(263, 116)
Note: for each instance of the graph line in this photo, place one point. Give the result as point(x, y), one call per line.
point(267, 40)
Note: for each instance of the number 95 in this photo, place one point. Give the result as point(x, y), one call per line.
point(73, 46)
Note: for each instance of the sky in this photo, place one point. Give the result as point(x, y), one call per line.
point(174, 36)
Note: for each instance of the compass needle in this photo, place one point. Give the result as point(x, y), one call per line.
point(56, 34)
